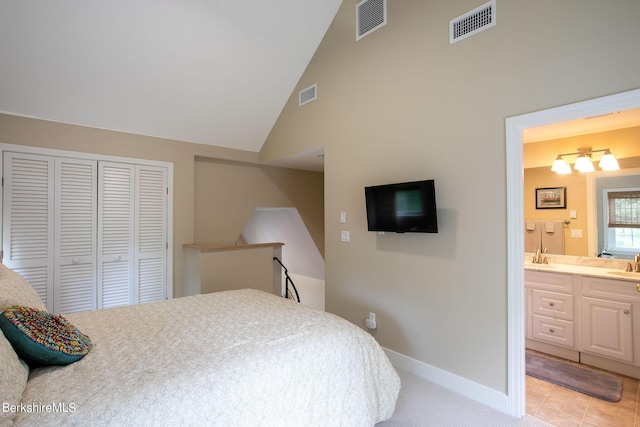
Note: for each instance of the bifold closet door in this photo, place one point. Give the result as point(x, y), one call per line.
point(28, 218)
point(85, 233)
point(116, 225)
point(75, 235)
point(49, 227)
point(151, 233)
point(132, 234)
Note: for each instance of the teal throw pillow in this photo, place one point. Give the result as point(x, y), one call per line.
point(41, 338)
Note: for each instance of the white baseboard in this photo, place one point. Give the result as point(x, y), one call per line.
point(460, 385)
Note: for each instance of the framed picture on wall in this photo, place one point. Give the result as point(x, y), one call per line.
point(551, 198)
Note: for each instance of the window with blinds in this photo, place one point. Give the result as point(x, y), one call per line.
point(624, 209)
point(622, 220)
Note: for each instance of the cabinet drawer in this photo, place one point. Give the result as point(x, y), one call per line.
point(610, 288)
point(556, 282)
point(555, 331)
point(552, 304)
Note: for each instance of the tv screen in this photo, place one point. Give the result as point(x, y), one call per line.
point(408, 207)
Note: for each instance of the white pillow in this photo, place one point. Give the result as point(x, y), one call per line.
point(15, 290)
point(13, 378)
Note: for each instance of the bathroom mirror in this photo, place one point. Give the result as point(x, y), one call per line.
point(582, 218)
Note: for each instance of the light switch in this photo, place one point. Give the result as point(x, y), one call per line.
point(577, 233)
point(573, 215)
point(343, 217)
point(344, 236)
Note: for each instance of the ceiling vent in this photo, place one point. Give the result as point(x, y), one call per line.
point(479, 19)
point(307, 95)
point(370, 15)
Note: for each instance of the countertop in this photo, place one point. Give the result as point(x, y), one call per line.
point(585, 266)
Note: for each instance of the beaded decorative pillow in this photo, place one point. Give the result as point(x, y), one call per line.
point(41, 338)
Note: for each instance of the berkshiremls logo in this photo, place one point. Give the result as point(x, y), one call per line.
point(38, 407)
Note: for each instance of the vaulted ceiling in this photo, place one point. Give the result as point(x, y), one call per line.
point(203, 71)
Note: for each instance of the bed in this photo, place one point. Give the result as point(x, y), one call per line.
point(235, 358)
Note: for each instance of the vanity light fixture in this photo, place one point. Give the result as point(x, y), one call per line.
point(608, 162)
point(560, 166)
point(584, 162)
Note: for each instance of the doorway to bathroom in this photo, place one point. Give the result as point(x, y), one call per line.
point(515, 128)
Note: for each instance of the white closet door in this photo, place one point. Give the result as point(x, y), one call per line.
point(75, 235)
point(116, 226)
point(151, 233)
point(28, 226)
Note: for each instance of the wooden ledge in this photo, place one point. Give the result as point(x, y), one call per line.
point(212, 247)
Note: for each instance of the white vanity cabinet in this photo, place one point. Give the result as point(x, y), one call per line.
point(550, 307)
point(610, 313)
point(592, 318)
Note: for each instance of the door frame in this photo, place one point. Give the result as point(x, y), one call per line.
point(516, 384)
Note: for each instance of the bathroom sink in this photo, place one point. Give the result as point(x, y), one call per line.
point(625, 274)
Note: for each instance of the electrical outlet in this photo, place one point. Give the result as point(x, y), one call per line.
point(371, 321)
point(344, 236)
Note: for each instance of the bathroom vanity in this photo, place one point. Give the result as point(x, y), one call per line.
point(584, 313)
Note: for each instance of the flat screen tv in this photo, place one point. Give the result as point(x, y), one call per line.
point(408, 207)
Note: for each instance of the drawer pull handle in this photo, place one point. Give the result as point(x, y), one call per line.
point(638, 287)
point(552, 330)
point(551, 304)
point(626, 311)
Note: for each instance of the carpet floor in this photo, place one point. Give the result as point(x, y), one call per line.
point(422, 403)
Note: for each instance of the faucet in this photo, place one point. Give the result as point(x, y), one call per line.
point(635, 265)
point(539, 259)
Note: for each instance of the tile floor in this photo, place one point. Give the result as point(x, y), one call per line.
point(562, 407)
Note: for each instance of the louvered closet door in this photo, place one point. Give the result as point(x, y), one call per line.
point(75, 235)
point(151, 233)
point(27, 225)
point(116, 226)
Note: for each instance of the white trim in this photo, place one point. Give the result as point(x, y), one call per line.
point(592, 216)
point(81, 155)
point(516, 385)
point(515, 207)
point(460, 385)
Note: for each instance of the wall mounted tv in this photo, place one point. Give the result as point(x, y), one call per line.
point(408, 207)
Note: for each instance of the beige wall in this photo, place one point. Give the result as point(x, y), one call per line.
point(403, 104)
point(40, 133)
point(576, 185)
point(227, 193)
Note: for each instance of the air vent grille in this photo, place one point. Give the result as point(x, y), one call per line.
point(479, 19)
point(307, 95)
point(370, 16)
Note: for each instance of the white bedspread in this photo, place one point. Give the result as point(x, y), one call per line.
point(237, 358)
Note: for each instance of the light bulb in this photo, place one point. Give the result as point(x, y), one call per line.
point(608, 162)
point(584, 164)
point(558, 164)
point(564, 169)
